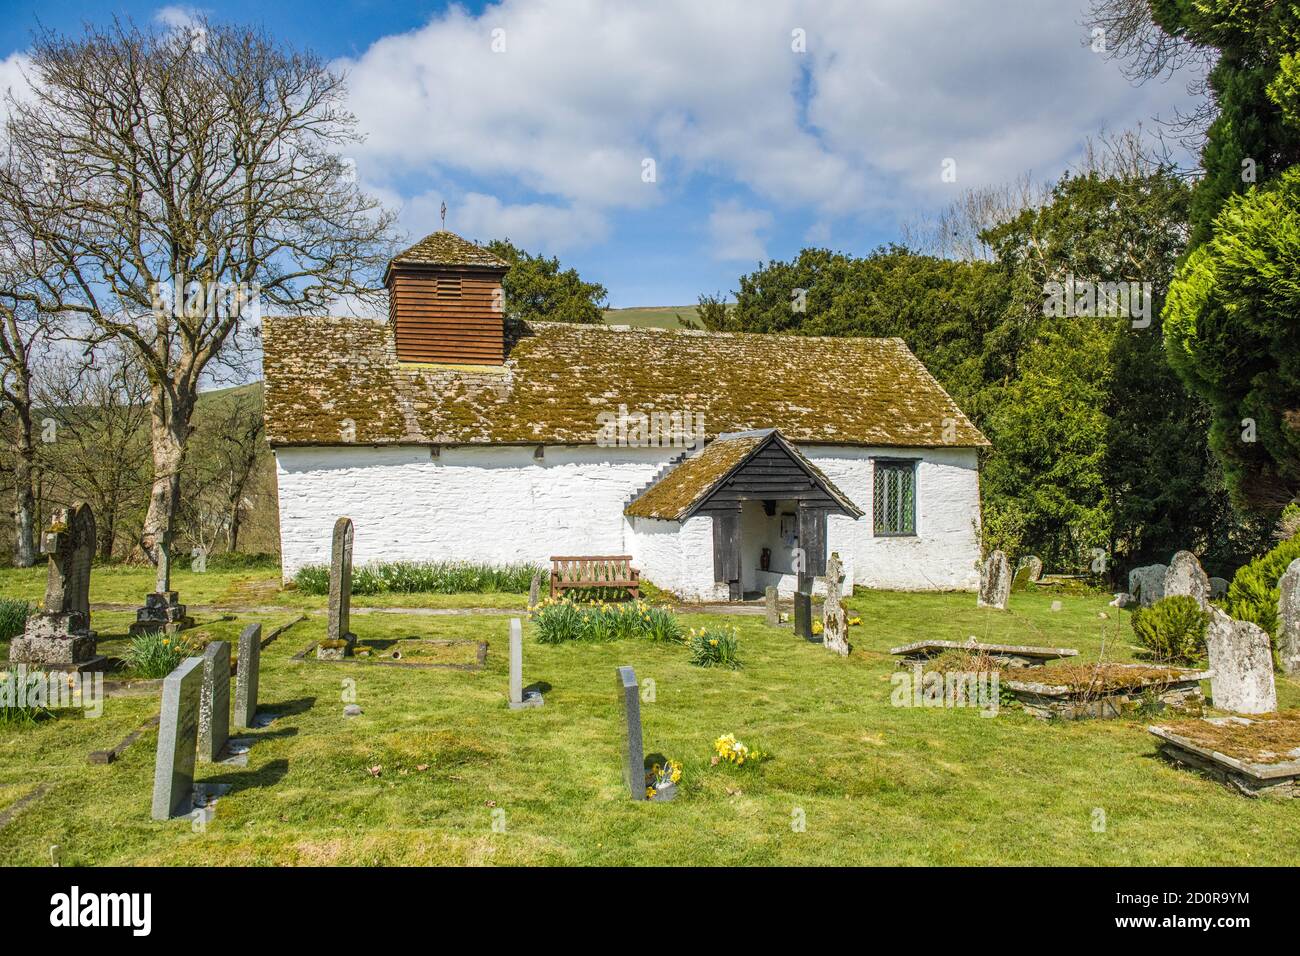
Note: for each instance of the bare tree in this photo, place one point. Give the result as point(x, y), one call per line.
point(183, 178)
point(955, 231)
point(1126, 31)
point(26, 285)
point(230, 442)
point(100, 453)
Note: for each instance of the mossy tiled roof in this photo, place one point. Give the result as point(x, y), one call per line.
point(445, 248)
point(328, 379)
point(688, 484)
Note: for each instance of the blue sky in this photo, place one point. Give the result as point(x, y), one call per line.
point(771, 126)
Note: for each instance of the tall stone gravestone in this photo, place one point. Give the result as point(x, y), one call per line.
point(1035, 565)
point(1185, 576)
point(995, 582)
point(214, 702)
point(835, 622)
point(178, 731)
point(250, 662)
point(803, 616)
point(1241, 665)
point(534, 591)
point(1288, 617)
point(633, 746)
point(518, 699)
point(340, 623)
point(772, 607)
point(59, 636)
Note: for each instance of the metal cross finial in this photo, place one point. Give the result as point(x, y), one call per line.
point(444, 214)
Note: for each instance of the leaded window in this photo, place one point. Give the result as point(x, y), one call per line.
point(894, 498)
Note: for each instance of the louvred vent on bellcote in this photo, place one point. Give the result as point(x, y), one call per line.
point(445, 302)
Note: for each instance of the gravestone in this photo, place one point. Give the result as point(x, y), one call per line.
point(1288, 618)
point(803, 616)
point(250, 662)
point(1185, 576)
point(633, 746)
point(1218, 589)
point(995, 582)
point(1035, 565)
point(214, 702)
point(534, 591)
point(1147, 584)
point(835, 623)
point(178, 735)
point(1241, 665)
point(341, 585)
point(773, 609)
point(59, 636)
point(518, 699)
point(162, 609)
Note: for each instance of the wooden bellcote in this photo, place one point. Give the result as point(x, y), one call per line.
point(445, 302)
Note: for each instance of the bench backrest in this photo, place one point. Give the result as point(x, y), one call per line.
point(592, 569)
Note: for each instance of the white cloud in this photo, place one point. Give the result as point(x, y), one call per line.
point(734, 232)
point(584, 91)
point(178, 16)
point(15, 71)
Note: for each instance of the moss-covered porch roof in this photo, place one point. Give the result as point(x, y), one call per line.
point(333, 381)
point(679, 492)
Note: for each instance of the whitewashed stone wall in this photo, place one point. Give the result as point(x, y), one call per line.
point(502, 505)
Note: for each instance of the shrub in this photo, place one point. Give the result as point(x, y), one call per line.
point(155, 654)
point(714, 647)
point(13, 618)
point(1253, 594)
point(563, 620)
point(243, 561)
point(1172, 629)
point(426, 577)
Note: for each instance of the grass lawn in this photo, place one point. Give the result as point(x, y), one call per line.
point(876, 784)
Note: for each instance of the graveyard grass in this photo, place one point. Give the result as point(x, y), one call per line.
point(876, 784)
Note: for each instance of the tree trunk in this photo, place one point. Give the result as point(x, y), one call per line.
point(169, 432)
point(24, 475)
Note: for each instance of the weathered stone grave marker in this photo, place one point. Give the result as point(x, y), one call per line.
point(250, 661)
point(518, 698)
point(1185, 576)
point(534, 591)
point(995, 582)
point(340, 606)
point(59, 637)
point(1241, 665)
point(178, 736)
point(835, 622)
point(633, 746)
point(1288, 616)
point(1035, 565)
point(162, 609)
point(214, 702)
point(773, 609)
point(1147, 583)
point(803, 616)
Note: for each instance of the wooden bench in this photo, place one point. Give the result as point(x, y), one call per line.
point(594, 571)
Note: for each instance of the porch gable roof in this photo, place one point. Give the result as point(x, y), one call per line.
point(690, 484)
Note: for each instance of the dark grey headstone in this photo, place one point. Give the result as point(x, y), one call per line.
point(803, 616)
point(340, 624)
point(633, 747)
point(250, 662)
point(178, 735)
point(214, 703)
